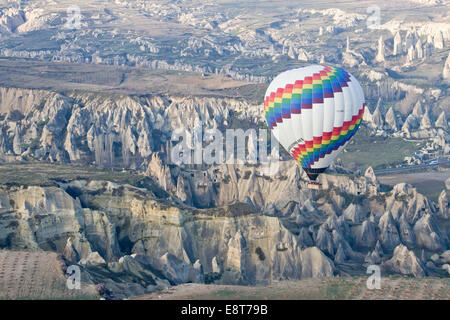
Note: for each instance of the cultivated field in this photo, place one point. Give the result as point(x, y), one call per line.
point(29, 74)
point(378, 152)
point(46, 174)
point(36, 275)
point(429, 183)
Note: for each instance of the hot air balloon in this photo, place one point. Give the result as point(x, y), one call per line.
point(313, 112)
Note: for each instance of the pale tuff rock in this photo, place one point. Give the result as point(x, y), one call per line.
point(418, 110)
point(36, 202)
point(375, 256)
point(315, 264)
point(291, 53)
point(321, 31)
point(368, 118)
point(373, 75)
point(391, 120)
point(35, 20)
point(172, 237)
point(446, 70)
point(198, 268)
point(184, 191)
point(178, 271)
point(404, 261)
point(365, 235)
point(161, 173)
point(109, 131)
point(398, 45)
point(340, 241)
point(11, 19)
point(445, 256)
point(349, 59)
point(389, 236)
point(377, 116)
point(411, 123)
point(441, 121)
point(409, 40)
point(447, 184)
point(287, 263)
point(419, 50)
point(425, 123)
point(406, 233)
point(434, 257)
point(332, 223)
point(381, 51)
point(427, 234)
point(355, 186)
point(225, 184)
point(340, 256)
point(347, 47)
point(215, 265)
point(446, 267)
point(324, 241)
point(140, 267)
point(443, 205)
point(322, 59)
point(70, 253)
point(236, 252)
point(428, 2)
point(303, 55)
point(354, 213)
point(100, 230)
point(304, 239)
point(370, 175)
point(93, 260)
point(405, 200)
point(428, 50)
point(438, 40)
point(411, 56)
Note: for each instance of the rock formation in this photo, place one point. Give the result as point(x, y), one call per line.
point(132, 233)
point(419, 50)
point(438, 40)
point(380, 57)
point(390, 119)
point(441, 121)
point(446, 70)
point(411, 56)
point(405, 262)
point(398, 44)
point(377, 117)
point(425, 122)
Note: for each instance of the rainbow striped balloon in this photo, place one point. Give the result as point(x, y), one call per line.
point(313, 112)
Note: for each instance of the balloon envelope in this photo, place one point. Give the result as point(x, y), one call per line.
point(313, 112)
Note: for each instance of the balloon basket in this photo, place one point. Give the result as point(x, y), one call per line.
point(314, 185)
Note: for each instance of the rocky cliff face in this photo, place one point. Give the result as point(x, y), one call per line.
point(134, 132)
point(100, 224)
point(120, 131)
point(118, 233)
point(223, 223)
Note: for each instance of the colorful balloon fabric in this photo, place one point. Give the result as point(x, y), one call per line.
point(313, 112)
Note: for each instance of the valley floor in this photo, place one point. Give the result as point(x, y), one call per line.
point(430, 183)
point(341, 288)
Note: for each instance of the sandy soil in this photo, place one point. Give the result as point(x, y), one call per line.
point(398, 288)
